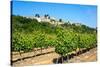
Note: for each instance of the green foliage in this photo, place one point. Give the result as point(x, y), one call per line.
point(28, 34)
point(68, 41)
point(22, 42)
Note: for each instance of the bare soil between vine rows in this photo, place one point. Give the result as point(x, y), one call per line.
point(48, 56)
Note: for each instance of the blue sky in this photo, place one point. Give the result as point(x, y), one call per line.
point(85, 14)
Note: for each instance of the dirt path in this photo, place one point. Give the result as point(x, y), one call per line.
point(43, 59)
point(16, 56)
point(89, 56)
point(48, 58)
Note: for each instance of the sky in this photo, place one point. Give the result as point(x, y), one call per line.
point(85, 14)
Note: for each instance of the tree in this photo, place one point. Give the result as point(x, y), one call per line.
point(60, 20)
point(37, 15)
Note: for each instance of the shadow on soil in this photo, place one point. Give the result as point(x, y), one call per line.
point(63, 59)
point(55, 60)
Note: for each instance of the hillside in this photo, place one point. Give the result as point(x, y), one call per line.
point(30, 35)
point(20, 23)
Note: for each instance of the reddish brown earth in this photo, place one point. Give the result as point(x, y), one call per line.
point(47, 58)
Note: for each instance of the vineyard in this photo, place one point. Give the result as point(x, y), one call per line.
point(29, 35)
